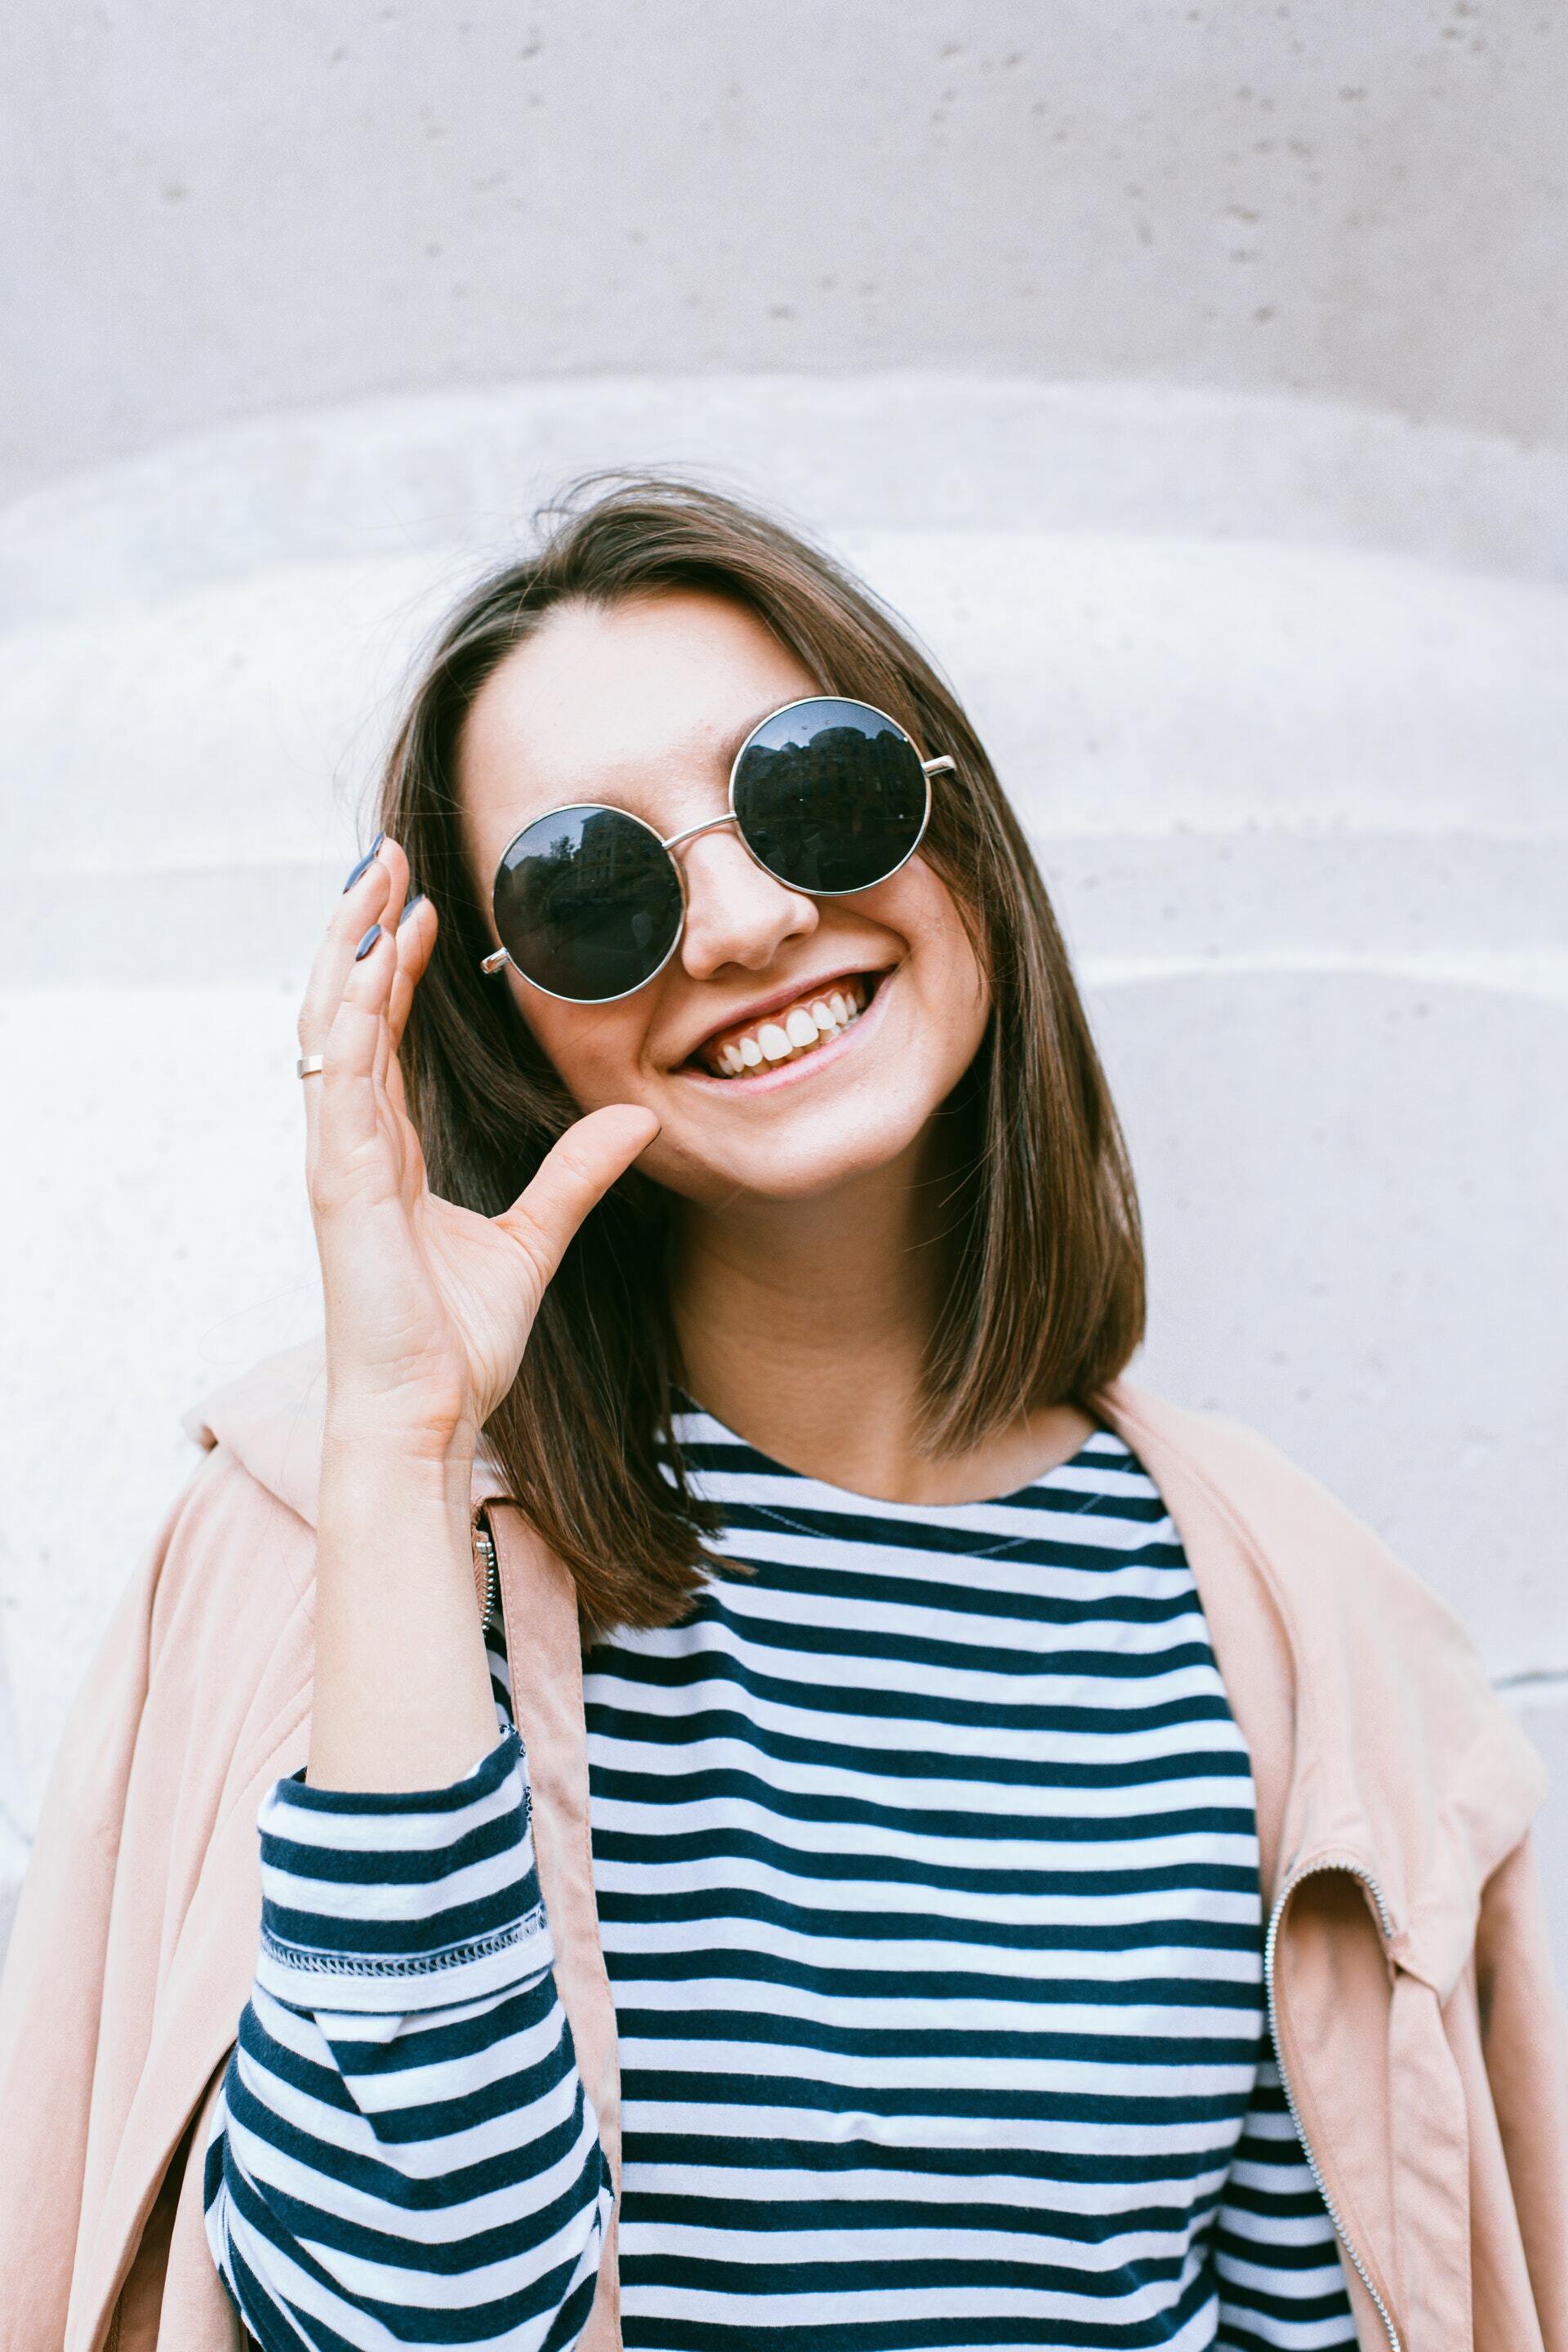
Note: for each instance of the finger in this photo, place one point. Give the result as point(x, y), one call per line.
point(416, 933)
point(360, 907)
point(357, 960)
point(575, 1173)
point(391, 919)
point(417, 929)
point(361, 902)
point(394, 1089)
point(350, 1144)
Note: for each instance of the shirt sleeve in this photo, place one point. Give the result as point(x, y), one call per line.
point(403, 2151)
point(1281, 2288)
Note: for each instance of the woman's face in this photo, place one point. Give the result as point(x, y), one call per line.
point(643, 704)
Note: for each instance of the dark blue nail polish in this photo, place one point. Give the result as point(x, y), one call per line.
point(418, 900)
point(364, 861)
point(368, 941)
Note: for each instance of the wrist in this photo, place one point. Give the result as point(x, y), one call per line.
point(414, 1469)
point(395, 1429)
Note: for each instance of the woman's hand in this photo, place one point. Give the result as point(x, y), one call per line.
point(429, 1305)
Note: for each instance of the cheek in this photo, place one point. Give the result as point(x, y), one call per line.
point(593, 1050)
point(949, 967)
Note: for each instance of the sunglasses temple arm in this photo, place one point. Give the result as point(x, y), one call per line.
point(945, 766)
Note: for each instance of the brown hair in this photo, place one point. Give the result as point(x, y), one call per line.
point(1045, 1297)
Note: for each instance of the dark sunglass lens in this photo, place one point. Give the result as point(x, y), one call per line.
point(830, 796)
point(587, 903)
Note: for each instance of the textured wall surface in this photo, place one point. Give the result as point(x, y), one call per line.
point(263, 204)
point(1188, 378)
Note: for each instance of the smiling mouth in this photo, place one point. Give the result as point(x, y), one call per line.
point(789, 1035)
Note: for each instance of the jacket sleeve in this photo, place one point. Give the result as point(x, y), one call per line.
point(52, 1987)
point(404, 2150)
point(1523, 2045)
point(1276, 2253)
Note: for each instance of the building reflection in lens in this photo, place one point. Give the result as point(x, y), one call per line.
point(587, 902)
point(831, 795)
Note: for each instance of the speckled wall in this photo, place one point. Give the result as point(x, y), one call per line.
point(1190, 376)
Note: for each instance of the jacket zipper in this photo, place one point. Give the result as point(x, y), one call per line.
point(485, 1545)
point(1268, 1943)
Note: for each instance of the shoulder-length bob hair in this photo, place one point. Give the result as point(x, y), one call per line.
point(1044, 1300)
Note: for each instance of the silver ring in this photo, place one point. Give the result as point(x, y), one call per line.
point(309, 1065)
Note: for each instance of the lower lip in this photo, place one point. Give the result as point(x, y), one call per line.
point(798, 1066)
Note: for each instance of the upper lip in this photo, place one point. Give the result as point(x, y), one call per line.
point(761, 1006)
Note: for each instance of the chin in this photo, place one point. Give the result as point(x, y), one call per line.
point(799, 1157)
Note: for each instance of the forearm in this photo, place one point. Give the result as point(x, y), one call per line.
point(402, 2138)
point(401, 1694)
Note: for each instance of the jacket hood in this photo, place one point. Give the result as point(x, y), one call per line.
point(271, 1419)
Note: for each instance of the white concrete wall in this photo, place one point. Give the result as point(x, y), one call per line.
point(1264, 618)
point(222, 213)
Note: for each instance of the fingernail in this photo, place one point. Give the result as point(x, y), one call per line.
point(364, 861)
point(418, 900)
point(368, 941)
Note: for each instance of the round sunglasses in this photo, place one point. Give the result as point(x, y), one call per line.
point(827, 795)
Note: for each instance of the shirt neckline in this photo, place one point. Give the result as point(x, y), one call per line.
point(764, 1466)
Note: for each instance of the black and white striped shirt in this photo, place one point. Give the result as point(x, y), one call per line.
point(927, 1875)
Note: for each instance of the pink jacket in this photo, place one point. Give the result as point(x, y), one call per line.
point(1410, 1990)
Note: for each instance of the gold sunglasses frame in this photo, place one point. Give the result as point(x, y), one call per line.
point(499, 957)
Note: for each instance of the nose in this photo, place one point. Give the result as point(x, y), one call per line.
point(736, 913)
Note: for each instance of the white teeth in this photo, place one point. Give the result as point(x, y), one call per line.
point(800, 1027)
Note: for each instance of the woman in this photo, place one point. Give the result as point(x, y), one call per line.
point(706, 1147)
